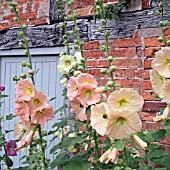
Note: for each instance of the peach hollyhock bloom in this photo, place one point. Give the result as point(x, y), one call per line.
point(39, 100)
point(42, 115)
point(125, 99)
point(79, 110)
point(26, 140)
point(24, 90)
point(99, 118)
point(19, 130)
point(87, 95)
point(158, 83)
point(66, 62)
point(72, 88)
point(162, 62)
point(86, 79)
point(164, 116)
point(139, 142)
point(166, 97)
point(123, 124)
point(22, 110)
point(109, 155)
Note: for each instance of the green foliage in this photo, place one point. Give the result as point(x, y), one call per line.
point(159, 135)
point(120, 144)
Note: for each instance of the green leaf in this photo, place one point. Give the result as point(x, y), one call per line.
point(162, 110)
point(76, 140)
point(61, 108)
point(167, 127)
point(159, 135)
point(120, 144)
point(59, 159)
point(60, 124)
point(52, 132)
point(8, 161)
point(9, 117)
point(145, 167)
point(8, 131)
point(155, 153)
point(53, 99)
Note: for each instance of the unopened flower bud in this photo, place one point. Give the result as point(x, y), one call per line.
point(105, 89)
point(110, 59)
point(20, 34)
point(166, 23)
point(14, 4)
point(26, 52)
point(72, 149)
point(21, 44)
point(72, 135)
point(23, 64)
point(158, 119)
point(103, 22)
point(103, 70)
point(23, 75)
point(83, 60)
point(30, 72)
point(139, 142)
point(15, 19)
point(100, 29)
point(110, 83)
point(168, 42)
point(11, 9)
point(166, 113)
point(161, 23)
point(76, 41)
point(28, 65)
point(161, 4)
point(157, 13)
point(63, 81)
point(76, 73)
point(81, 43)
point(160, 39)
point(99, 89)
point(113, 68)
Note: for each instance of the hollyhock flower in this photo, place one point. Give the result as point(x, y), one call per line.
point(19, 130)
point(158, 83)
point(59, 133)
point(87, 95)
point(22, 110)
point(125, 99)
point(24, 90)
point(99, 118)
point(162, 62)
point(42, 115)
point(26, 140)
point(139, 142)
point(122, 124)
point(78, 57)
point(66, 62)
point(86, 79)
point(79, 110)
point(164, 116)
point(2, 88)
point(166, 97)
point(39, 100)
point(66, 129)
point(72, 88)
point(10, 148)
point(109, 155)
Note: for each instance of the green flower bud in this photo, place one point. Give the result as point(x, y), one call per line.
point(21, 44)
point(81, 43)
point(75, 16)
point(71, 32)
point(160, 39)
point(26, 52)
point(15, 19)
point(103, 47)
point(14, 77)
point(166, 8)
point(76, 41)
point(70, 17)
point(14, 4)
point(105, 5)
point(168, 42)
point(105, 89)
point(65, 41)
point(11, 9)
point(28, 65)
point(20, 34)
point(100, 29)
point(166, 23)
point(103, 70)
point(110, 59)
point(161, 4)
point(108, 33)
point(83, 60)
point(103, 22)
point(161, 23)
point(157, 13)
point(77, 29)
point(76, 47)
point(24, 27)
point(23, 75)
point(70, 48)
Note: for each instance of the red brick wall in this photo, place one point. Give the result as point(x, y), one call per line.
point(31, 12)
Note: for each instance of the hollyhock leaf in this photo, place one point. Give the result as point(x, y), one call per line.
point(76, 140)
point(159, 135)
point(53, 99)
point(61, 108)
point(120, 144)
point(155, 153)
point(8, 131)
point(9, 162)
point(167, 127)
point(60, 124)
point(9, 117)
point(145, 167)
point(59, 160)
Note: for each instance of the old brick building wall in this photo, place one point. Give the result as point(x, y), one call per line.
point(133, 42)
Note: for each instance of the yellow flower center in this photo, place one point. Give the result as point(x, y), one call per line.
point(121, 120)
point(167, 62)
point(89, 92)
point(68, 62)
point(122, 102)
point(36, 101)
point(29, 91)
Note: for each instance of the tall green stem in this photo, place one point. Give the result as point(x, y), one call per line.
point(42, 148)
point(125, 157)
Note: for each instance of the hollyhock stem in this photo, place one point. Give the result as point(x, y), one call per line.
point(42, 148)
point(6, 155)
point(97, 150)
point(26, 42)
point(125, 157)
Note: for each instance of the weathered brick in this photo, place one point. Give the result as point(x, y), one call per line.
point(146, 85)
point(146, 74)
point(87, 3)
point(150, 52)
point(127, 42)
point(147, 116)
point(83, 11)
point(147, 63)
point(123, 52)
point(97, 63)
point(149, 95)
point(94, 54)
point(152, 42)
point(153, 106)
point(145, 4)
point(92, 45)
